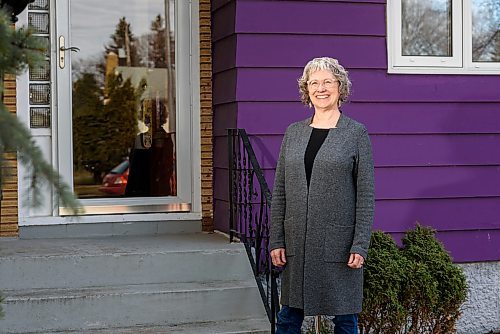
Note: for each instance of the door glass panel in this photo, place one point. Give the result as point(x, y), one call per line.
point(123, 102)
point(426, 28)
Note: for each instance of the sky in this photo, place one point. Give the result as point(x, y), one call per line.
point(94, 21)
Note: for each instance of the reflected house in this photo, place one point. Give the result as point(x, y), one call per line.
point(426, 78)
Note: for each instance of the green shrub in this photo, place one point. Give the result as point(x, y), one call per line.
point(385, 275)
point(413, 290)
point(443, 285)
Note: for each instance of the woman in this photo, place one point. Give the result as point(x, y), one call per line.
point(322, 209)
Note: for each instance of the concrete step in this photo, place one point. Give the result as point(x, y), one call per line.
point(109, 229)
point(92, 308)
point(245, 326)
point(83, 262)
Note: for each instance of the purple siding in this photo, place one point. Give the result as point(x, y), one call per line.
point(420, 151)
point(310, 17)
point(225, 82)
point(435, 137)
point(226, 19)
point(470, 245)
point(437, 182)
point(224, 52)
point(382, 118)
point(398, 215)
point(264, 50)
point(436, 150)
point(367, 86)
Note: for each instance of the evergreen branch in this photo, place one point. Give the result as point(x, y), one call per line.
point(18, 50)
point(15, 137)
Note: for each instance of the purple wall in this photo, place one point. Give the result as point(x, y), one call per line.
point(436, 138)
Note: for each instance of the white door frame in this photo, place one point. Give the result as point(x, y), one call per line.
point(187, 205)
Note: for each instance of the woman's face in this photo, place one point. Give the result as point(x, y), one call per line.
point(323, 90)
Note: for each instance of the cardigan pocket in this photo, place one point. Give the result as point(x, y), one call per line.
point(338, 242)
point(289, 237)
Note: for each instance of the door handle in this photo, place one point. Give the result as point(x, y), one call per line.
point(71, 48)
point(62, 49)
point(61, 52)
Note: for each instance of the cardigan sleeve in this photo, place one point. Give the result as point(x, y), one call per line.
point(364, 180)
point(278, 205)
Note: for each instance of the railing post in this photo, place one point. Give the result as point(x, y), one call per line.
point(274, 301)
point(258, 233)
point(230, 148)
point(241, 213)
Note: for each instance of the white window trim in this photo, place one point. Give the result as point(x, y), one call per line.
point(460, 63)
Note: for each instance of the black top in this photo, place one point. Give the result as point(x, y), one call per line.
point(317, 139)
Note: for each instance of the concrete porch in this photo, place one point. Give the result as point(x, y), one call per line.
point(171, 283)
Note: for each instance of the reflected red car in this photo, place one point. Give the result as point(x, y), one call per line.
point(115, 182)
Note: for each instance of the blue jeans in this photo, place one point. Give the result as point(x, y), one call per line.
point(290, 321)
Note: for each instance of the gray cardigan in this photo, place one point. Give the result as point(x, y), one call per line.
point(319, 227)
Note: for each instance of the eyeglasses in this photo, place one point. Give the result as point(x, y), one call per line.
point(327, 83)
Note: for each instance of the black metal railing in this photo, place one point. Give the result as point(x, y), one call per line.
point(249, 216)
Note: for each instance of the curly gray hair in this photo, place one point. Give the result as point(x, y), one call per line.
point(337, 70)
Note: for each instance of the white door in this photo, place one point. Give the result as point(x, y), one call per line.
point(124, 116)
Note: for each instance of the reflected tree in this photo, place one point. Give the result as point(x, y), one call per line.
point(426, 28)
point(105, 102)
point(157, 43)
point(104, 129)
point(88, 118)
point(153, 46)
point(124, 44)
point(486, 30)
point(120, 112)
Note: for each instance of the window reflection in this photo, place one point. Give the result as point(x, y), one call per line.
point(123, 98)
point(485, 31)
point(426, 28)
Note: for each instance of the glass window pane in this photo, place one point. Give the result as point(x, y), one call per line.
point(40, 117)
point(123, 98)
point(426, 28)
point(39, 93)
point(39, 22)
point(39, 4)
point(485, 31)
point(40, 72)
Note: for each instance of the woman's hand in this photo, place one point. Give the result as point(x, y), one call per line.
point(278, 256)
point(355, 261)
